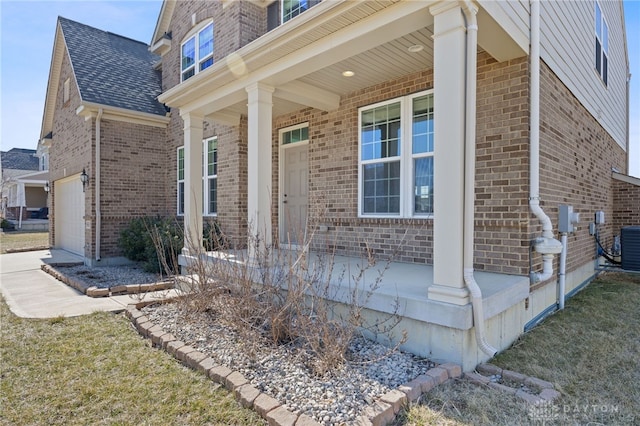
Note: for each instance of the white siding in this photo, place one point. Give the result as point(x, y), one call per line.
point(568, 47)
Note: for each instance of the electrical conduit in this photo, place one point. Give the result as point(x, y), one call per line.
point(470, 12)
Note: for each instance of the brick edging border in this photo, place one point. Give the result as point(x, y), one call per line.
point(93, 291)
point(382, 412)
point(546, 390)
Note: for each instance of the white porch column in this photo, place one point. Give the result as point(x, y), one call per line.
point(259, 159)
point(192, 182)
point(449, 109)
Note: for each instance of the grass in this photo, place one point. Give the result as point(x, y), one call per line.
point(589, 351)
point(96, 370)
point(22, 240)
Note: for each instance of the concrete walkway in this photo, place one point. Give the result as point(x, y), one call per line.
point(32, 293)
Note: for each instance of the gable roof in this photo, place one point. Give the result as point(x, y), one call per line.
point(110, 71)
point(113, 70)
point(20, 159)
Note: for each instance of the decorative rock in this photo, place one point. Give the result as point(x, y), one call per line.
point(439, 374)
point(246, 394)
point(281, 417)
point(234, 380)
point(513, 376)
point(172, 347)
point(503, 388)
point(192, 359)
point(549, 394)
point(165, 339)
point(412, 390)
point(476, 378)
point(380, 413)
point(264, 403)
point(219, 373)
point(181, 353)
point(395, 398)
point(489, 370)
point(205, 365)
point(528, 397)
point(453, 370)
point(540, 384)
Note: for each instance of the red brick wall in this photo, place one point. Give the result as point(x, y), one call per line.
point(626, 203)
point(576, 158)
point(71, 149)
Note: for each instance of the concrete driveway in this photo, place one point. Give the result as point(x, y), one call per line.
point(32, 293)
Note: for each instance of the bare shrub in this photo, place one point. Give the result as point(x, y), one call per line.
point(286, 296)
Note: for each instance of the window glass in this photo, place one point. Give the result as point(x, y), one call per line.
point(397, 180)
point(296, 135)
point(197, 50)
point(188, 53)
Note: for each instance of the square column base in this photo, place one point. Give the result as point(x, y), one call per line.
point(455, 296)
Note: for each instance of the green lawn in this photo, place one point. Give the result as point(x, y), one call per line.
point(590, 351)
point(96, 369)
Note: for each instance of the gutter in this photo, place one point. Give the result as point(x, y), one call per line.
point(98, 210)
point(470, 12)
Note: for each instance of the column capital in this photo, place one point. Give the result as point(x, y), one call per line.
point(253, 87)
point(192, 120)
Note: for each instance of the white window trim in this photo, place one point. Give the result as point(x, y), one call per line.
point(178, 180)
point(406, 158)
point(205, 178)
point(194, 34)
point(603, 52)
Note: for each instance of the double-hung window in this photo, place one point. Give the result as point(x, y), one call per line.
point(209, 178)
point(396, 157)
point(602, 44)
point(197, 52)
point(280, 11)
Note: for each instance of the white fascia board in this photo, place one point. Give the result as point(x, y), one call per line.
point(161, 47)
point(397, 20)
point(53, 82)
point(89, 110)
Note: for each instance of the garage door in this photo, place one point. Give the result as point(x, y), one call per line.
point(69, 215)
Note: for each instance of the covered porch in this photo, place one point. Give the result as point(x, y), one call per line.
point(318, 60)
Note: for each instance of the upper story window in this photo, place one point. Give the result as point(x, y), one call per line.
point(197, 52)
point(280, 11)
point(65, 91)
point(396, 141)
point(44, 162)
point(602, 44)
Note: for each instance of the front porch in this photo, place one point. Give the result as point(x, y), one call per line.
point(438, 330)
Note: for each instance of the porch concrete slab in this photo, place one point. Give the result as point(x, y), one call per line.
point(406, 283)
point(32, 293)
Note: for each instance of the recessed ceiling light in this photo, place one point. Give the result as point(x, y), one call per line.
point(415, 48)
point(348, 73)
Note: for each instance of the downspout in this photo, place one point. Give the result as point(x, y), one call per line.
point(470, 12)
point(97, 185)
point(546, 244)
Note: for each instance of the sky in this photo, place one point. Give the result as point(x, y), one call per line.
point(27, 30)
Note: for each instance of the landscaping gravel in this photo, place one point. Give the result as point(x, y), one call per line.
point(335, 399)
point(110, 276)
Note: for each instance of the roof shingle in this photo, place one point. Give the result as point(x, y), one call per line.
point(20, 159)
point(113, 70)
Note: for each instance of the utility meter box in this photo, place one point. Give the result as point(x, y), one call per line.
point(567, 218)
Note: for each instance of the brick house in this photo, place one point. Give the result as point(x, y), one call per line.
point(445, 134)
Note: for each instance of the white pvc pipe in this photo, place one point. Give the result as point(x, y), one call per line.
point(97, 185)
point(562, 271)
point(469, 179)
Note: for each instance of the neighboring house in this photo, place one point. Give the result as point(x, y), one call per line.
point(102, 119)
point(24, 185)
point(401, 128)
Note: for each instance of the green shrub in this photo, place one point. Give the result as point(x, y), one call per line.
point(157, 242)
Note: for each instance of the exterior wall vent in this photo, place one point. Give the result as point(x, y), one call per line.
point(630, 241)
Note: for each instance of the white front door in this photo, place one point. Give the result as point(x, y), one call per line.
point(295, 189)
